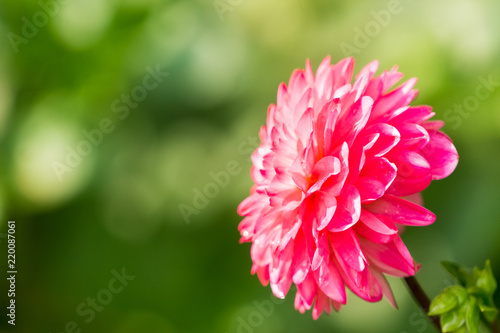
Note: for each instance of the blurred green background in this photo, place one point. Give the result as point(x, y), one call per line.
point(75, 79)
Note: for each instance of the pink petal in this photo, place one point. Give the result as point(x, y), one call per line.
point(280, 273)
point(305, 125)
point(381, 169)
point(362, 283)
point(330, 282)
point(376, 228)
point(390, 78)
point(334, 184)
point(265, 226)
point(386, 105)
point(322, 304)
point(318, 209)
point(325, 273)
point(324, 67)
point(401, 211)
point(309, 73)
point(383, 82)
point(414, 114)
point(342, 72)
point(330, 124)
point(370, 189)
point(415, 198)
point(300, 304)
point(351, 123)
point(325, 125)
point(414, 173)
point(323, 169)
point(441, 155)
point(262, 273)
point(347, 250)
point(413, 136)
point(281, 98)
point(260, 252)
point(307, 290)
point(301, 167)
point(280, 289)
point(348, 209)
point(282, 261)
point(337, 306)
point(322, 252)
point(386, 289)
point(301, 262)
point(370, 290)
point(388, 138)
point(391, 258)
point(364, 77)
point(290, 227)
point(292, 199)
point(357, 156)
point(297, 86)
point(248, 205)
point(433, 125)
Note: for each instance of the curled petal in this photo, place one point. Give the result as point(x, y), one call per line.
point(375, 178)
point(441, 155)
point(414, 173)
point(334, 184)
point(348, 210)
point(380, 169)
point(326, 167)
point(388, 138)
point(413, 136)
point(318, 209)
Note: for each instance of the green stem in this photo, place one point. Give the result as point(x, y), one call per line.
point(421, 297)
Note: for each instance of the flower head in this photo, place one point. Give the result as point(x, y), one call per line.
point(338, 172)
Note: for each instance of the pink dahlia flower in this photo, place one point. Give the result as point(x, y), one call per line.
point(337, 174)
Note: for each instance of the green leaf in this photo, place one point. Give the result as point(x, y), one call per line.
point(462, 329)
point(484, 279)
point(489, 312)
point(457, 271)
point(485, 308)
point(449, 299)
point(472, 315)
point(452, 321)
